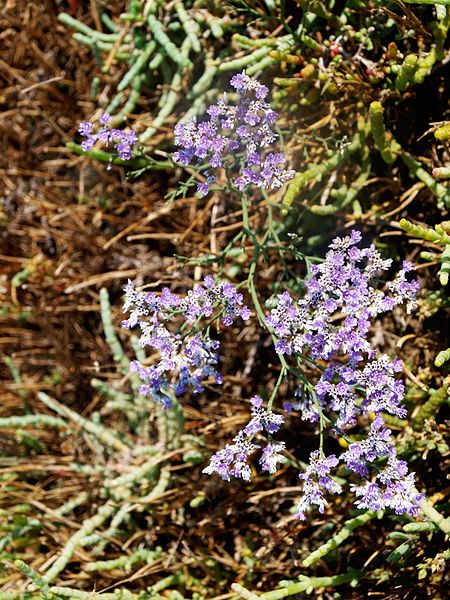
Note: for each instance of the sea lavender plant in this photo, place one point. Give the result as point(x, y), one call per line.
point(236, 137)
point(328, 327)
point(331, 324)
point(121, 141)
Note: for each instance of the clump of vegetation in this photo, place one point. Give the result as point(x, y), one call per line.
point(268, 236)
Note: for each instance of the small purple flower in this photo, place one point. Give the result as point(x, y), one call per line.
point(103, 135)
point(261, 92)
point(253, 159)
point(232, 461)
point(124, 150)
point(242, 132)
point(343, 285)
point(271, 456)
point(203, 188)
point(85, 128)
point(316, 481)
point(238, 81)
point(88, 144)
point(262, 419)
point(251, 118)
point(104, 119)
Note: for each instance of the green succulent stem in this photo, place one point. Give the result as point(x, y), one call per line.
point(430, 408)
point(338, 538)
point(386, 144)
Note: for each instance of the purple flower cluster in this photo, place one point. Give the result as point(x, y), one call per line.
point(232, 461)
point(246, 128)
point(121, 141)
point(316, 479)
point(344, 285)
point(358, 388)
point(393, 487)
point(397, 490)
point(185, 360)
point(332, 323)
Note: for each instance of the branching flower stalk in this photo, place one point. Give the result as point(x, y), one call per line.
point(329, 325)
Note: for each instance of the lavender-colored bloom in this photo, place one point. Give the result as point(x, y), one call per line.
point(185, 362)
point(104, 119)
point(85, 128)
point(332, 323)
point(316, 480)
point(333, 318)
point(271, 456)
point(382, 391)
point(89, 143)
point(396, 490)
point(377, 445)
point(368, 494)
point(262, 419)
point(232, 129)
point(203, 189)
point(238, 82)
point(104, 135)
point(232, 461)
point(121, 141)
point(124, 150)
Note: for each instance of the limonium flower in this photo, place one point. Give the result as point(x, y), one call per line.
point(185, 360)
point(271, 456)
point(344, 284)
point(246, 129)
point(331, 323)
point(121, 141)
point(232, 461)
point(397, 490)
point(316, 480)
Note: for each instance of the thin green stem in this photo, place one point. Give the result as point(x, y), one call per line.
point(281, 377)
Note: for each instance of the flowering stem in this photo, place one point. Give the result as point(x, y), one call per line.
point(281, 377)
point(323, 419)
point(252, 288)
point(256, 303)
point(105, 157)
point(321, 422)
point(246, 220)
